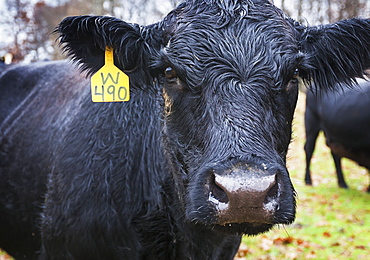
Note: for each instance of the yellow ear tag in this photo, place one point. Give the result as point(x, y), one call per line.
point(110, 84)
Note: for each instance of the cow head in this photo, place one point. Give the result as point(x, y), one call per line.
point(228, 72)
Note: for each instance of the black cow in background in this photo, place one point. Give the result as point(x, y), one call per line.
point(193, 161)
point(344, 117)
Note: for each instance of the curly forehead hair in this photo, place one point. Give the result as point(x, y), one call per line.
point(256, 43)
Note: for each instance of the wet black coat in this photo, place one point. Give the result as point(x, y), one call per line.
point(194, 160)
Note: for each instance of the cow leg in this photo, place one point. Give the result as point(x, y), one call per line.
point(312, 126)
point(338, 166)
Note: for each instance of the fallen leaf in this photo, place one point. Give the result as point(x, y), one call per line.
point(243, 251)
point(266, 244)
point(303, 243)
point(283, 241)
point(311, 255)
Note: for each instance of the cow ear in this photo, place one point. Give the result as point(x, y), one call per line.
point(338, 52)
point(85, 38)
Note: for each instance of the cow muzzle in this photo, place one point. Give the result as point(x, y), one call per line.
point(245, 194)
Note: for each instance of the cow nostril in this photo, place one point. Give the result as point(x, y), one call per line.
point(217, 192)
point(272, 193)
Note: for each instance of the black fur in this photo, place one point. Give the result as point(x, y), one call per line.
point(11, 96)
point(214, 87)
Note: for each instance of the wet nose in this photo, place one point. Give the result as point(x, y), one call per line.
point(245, 194)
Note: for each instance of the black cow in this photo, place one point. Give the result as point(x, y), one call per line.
point(194, 160)
point(344, 117)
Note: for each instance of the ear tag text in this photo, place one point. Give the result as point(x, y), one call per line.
point(110, 84)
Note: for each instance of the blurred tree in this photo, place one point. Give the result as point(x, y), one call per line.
point(30, 24)
point(349, 9)
point(328, 11)
point(18, 26)
point(45, 18)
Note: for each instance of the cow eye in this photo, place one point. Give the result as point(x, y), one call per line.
point(296, 73)
point(170, 73)
point(293, 82)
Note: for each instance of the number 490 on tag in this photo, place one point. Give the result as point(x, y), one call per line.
point(111, 93)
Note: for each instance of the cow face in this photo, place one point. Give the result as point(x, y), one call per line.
point(230, 89)
point(228, 74)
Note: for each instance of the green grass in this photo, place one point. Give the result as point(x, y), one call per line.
point(331, 223)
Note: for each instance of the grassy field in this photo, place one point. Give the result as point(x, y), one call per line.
point(332, 223)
